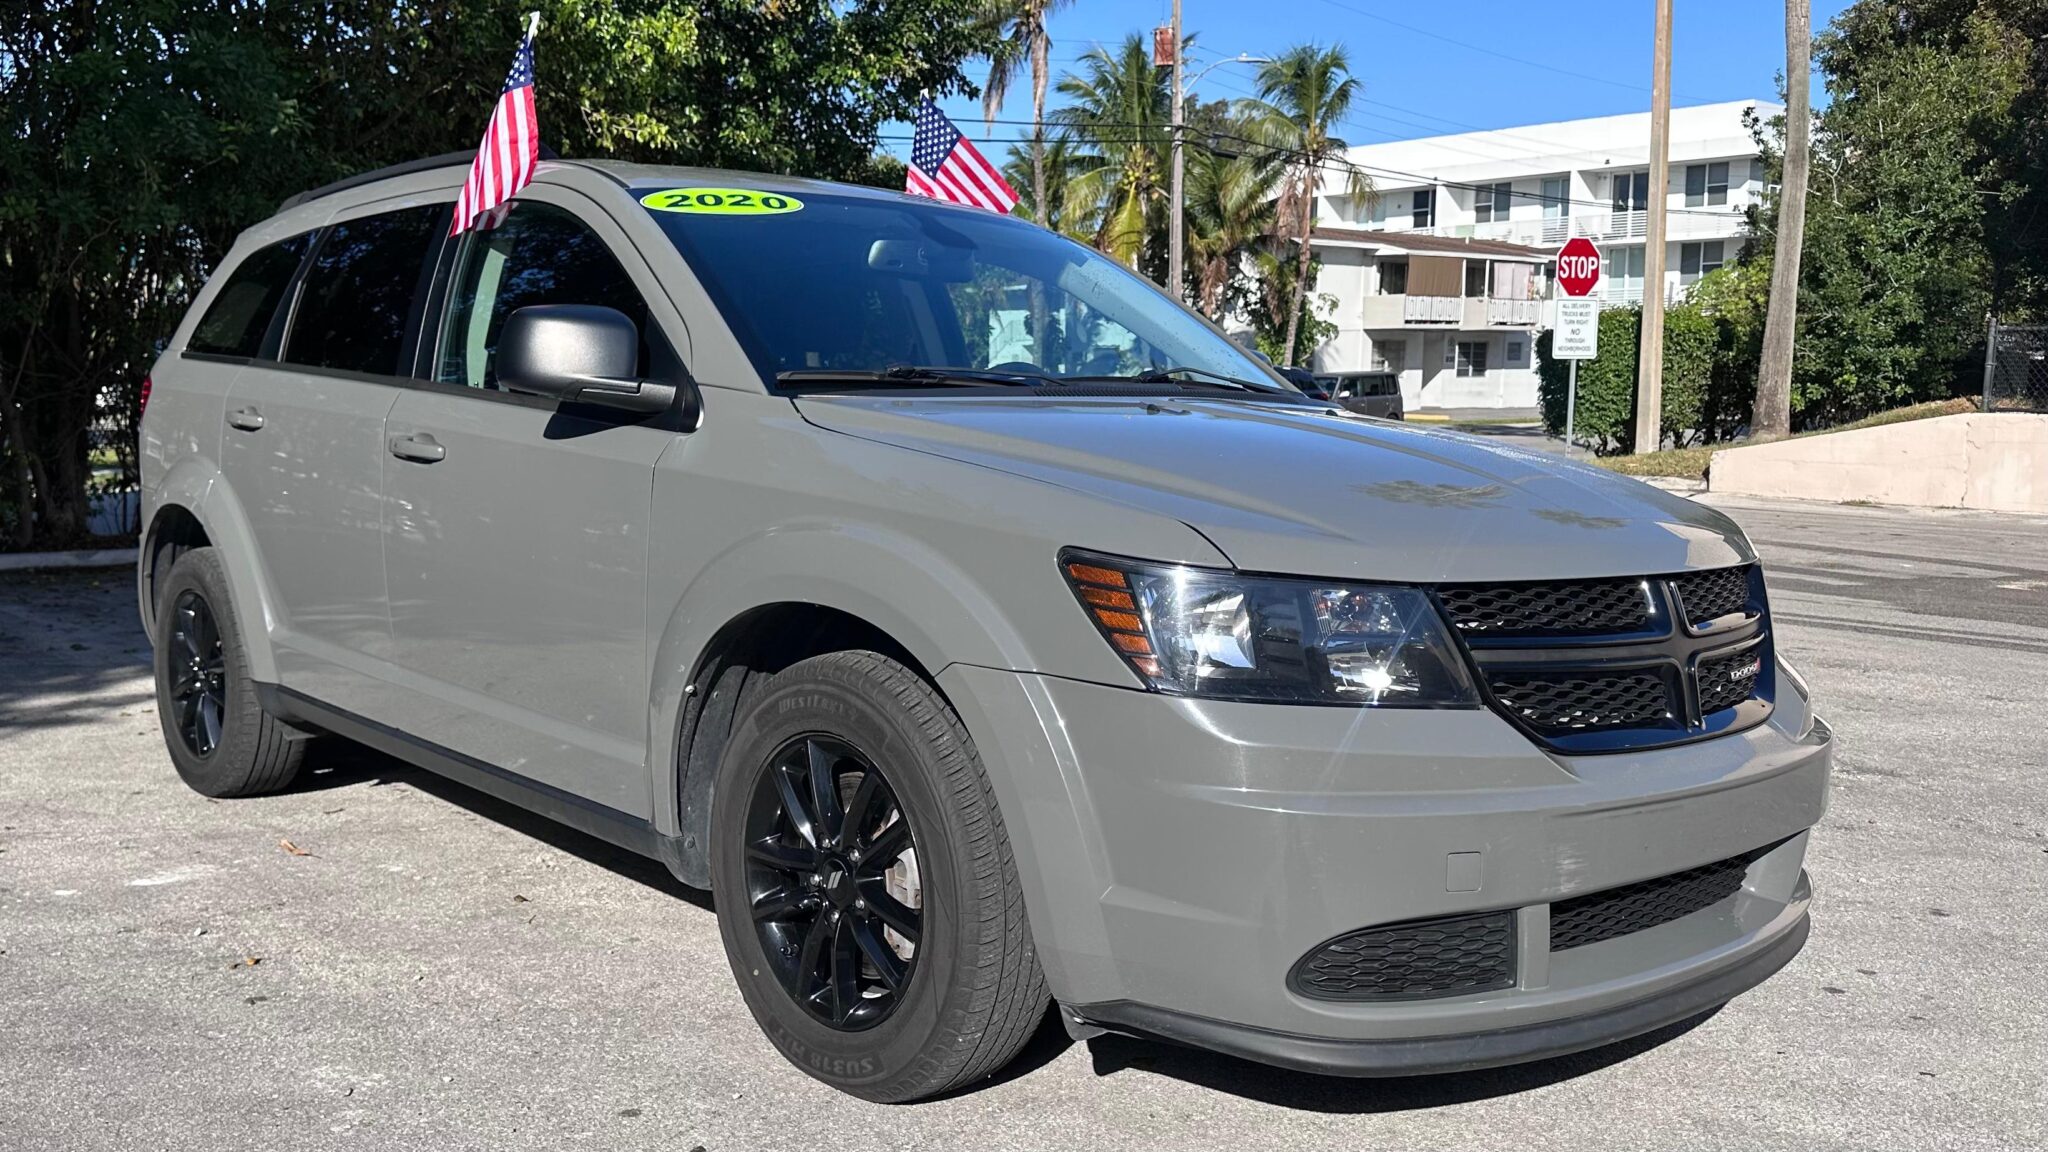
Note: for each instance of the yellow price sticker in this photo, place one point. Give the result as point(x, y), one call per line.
point(722, 201)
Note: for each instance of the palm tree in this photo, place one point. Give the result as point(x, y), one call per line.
point(1231, 210)
point(1021, 26)
point(1774, 374)
point(1303, 94)
point(1118, 115)
point(1051, 167)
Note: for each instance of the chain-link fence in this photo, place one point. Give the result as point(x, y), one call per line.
point(2016, 369)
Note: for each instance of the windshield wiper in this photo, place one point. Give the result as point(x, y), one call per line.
point(914, 374)
point(1166, 376)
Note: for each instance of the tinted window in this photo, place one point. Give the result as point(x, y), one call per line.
point(240, 314)
point(358, 294)
point(863, 284)
point(540, 255)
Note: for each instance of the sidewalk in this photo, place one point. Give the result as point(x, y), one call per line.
point(1476, 415)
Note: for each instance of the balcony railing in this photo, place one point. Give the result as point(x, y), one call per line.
point(1465, 313)
point(1513, 313)
point(1604, 227)
point(1432, 309)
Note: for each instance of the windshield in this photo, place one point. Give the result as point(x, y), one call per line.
point(847, 283)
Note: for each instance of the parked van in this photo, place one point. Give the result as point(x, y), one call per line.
point(983, 628)
point(1366, 393)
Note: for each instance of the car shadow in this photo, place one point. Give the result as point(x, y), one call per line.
point(1303, 1091)
point(333, 762)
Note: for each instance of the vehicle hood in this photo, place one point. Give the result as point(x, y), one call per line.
point(1313, 490)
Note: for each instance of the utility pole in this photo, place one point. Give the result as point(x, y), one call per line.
point(1175, 225)
point(1773, 417)
point(1650, 357)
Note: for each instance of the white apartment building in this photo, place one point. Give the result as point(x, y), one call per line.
point(1444, 275)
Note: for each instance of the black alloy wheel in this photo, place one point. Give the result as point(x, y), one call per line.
point(198, 670)
point(828, 853)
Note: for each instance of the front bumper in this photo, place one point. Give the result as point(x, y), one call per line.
point(1456, 1053)
point(1179, 857)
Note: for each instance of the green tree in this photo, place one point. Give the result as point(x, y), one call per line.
point(1117, 119)
point(1924, 209)
point(1021, 39)
point(1231, 213)
point(1061, 162)
point(142, 136)
point(1303, 94)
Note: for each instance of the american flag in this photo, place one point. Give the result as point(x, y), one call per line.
point(511, 147)
point(944, 166)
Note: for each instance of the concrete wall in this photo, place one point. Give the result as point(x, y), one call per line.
point(1997, 462)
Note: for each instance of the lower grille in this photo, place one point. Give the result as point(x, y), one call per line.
point(1726, 681)
point(1580, 700)
point(1599, 916)
point(1416, 960)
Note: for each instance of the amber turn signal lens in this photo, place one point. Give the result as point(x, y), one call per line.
point(1135, 645)
point(1121, 621)
point(1092, 574)
point(1108, 599)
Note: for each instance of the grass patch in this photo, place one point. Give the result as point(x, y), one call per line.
point(1692, 463)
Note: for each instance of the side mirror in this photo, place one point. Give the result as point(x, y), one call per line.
point(578, 353)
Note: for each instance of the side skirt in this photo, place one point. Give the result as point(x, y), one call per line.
point(606, 823)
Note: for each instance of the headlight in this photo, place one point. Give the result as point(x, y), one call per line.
point(1200, 632)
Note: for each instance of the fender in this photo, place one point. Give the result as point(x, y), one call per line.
point(894, 582)
point(196, 485)
point(945, 620)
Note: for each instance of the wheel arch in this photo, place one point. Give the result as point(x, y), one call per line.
point(194, 507)
point(782, 597)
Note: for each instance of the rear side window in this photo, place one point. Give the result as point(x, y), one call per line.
point(235, 323)
point(358, 294)
point(540, 255)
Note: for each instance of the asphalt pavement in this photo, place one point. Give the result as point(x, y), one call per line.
point(383, 960)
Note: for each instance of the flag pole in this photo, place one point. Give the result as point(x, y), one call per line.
point(532, 25)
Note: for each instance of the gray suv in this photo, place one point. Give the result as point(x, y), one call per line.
point(948, 601)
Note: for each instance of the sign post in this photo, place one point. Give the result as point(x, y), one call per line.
point(1576, 336)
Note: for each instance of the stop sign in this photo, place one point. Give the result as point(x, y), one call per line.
point(1578, 266)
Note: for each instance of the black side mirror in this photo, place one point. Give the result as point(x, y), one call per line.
point(579, 353)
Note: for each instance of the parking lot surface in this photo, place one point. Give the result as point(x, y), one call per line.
point(382, 960)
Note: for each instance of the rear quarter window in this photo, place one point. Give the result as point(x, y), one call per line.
point(358, 294)
point(240, 315)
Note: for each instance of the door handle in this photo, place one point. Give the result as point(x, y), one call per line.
point(247, 419)
point(418, 446)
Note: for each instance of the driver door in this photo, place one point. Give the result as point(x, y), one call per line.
point(516, 530)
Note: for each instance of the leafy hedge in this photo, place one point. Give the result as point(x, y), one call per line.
point(1709, 376)
point(1606, 410)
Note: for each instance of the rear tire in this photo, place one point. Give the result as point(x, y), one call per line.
point(970, 993)
point(220, 739)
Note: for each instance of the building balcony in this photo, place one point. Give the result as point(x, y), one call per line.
point(1457, 313)
point(1601, 227)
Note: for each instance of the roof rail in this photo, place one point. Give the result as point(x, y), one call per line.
point(444, 160)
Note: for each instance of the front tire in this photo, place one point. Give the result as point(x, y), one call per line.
point(866, 892)
point(220, 739)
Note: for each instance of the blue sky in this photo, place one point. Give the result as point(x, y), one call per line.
point(1433, 68)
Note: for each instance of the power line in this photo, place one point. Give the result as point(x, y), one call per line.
point(1136, 133)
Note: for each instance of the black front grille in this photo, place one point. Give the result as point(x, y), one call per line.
point(1570, 608)
point(1611, 664)
point(1581, 700)
point(1599, 916)
point(1417, 960)
point(1705, 596)
point(1728, 680)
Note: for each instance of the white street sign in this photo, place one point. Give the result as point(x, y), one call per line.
point(1577, 335)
